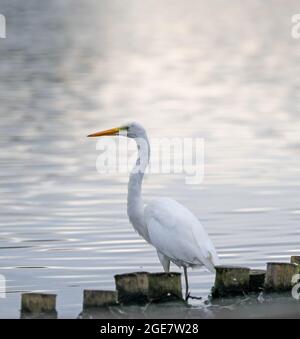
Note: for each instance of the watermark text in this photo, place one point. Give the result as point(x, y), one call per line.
point(2, 287)
point(295, 32)
point(168, 156)
point(296, 287)
point(2, 26)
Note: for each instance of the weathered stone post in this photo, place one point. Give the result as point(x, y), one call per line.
point(279, 276)
point(295, 259)
point(132, 288)
point(165, 286)
point(231, 281)
point(143, 287)
point(38, 304)
point(98, 298)
point(257, 280)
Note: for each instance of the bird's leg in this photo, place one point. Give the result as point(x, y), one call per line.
point(187, 293)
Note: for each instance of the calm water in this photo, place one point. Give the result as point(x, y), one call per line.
point(227, 72)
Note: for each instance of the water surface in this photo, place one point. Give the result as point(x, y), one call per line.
point(226, 72)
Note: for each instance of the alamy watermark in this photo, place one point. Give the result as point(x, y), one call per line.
point(2, 287)
point(168, 156)
point(295, 32)
point(2, 26)
point(296, 287)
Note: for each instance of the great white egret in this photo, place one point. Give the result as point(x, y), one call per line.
point(170, 227)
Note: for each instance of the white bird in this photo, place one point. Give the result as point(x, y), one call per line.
point(170, 227)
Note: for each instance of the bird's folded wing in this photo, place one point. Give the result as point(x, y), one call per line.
point(178, 234)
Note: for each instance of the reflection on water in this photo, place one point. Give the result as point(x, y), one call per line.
point(68, 68)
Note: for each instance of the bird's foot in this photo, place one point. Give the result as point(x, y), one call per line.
point(189, 296)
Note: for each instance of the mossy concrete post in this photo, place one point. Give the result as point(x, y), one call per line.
point(165, 286)
point(132, 288)
point(98, 298)
point(279, 276)
point(38, 303)
point(257, 280)
point(231, 281)
point(295, 259)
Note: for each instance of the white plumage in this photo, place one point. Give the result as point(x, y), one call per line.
point(170, 227)
point(178, 235)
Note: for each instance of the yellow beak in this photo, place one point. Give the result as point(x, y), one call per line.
point(113, 131)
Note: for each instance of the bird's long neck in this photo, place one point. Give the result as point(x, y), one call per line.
point(135, 205)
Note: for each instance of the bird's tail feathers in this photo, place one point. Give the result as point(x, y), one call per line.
point(211, 261)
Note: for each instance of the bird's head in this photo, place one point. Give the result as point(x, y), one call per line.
point(131, 130)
